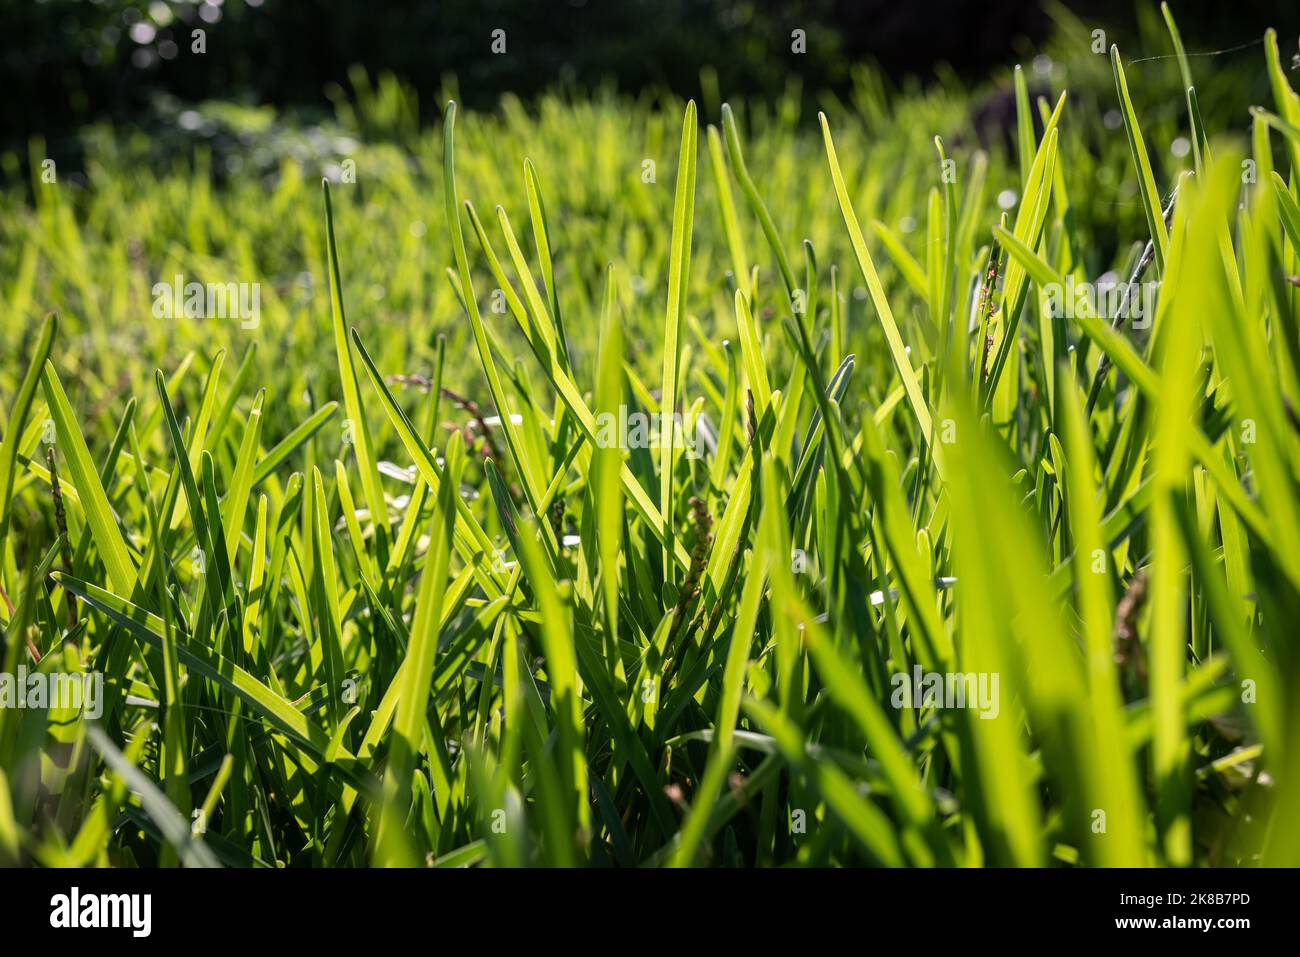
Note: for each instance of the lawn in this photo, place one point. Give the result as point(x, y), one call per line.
point(627, 481)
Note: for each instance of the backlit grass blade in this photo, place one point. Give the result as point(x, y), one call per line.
point(1285, 99)
point(679, 266)
point(528, 472)
point(566, 688)
point(1150, 196)
point(85, 478)
point(721, 754)
point(903, 365)
point(324, 586)
point(1121, 844)
point(1199, 146)
point(751, 348)
point(360, 432)
point(418, 671)
point(1170, 748)
point(1026, 145)
point(727, 207)
point(606, 493)
point(756, 204)
point(236, 504)
point(18, 417)
point(1031, 218)
point(542, 236)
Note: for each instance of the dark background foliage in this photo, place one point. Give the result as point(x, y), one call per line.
point(66, 62)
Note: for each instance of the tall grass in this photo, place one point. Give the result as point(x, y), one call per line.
point(367, 586)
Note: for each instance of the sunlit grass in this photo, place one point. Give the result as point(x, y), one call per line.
point(368, 587)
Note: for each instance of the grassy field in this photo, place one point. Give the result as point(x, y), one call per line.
point(636, 482)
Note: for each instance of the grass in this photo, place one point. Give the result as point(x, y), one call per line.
point(394, 602)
